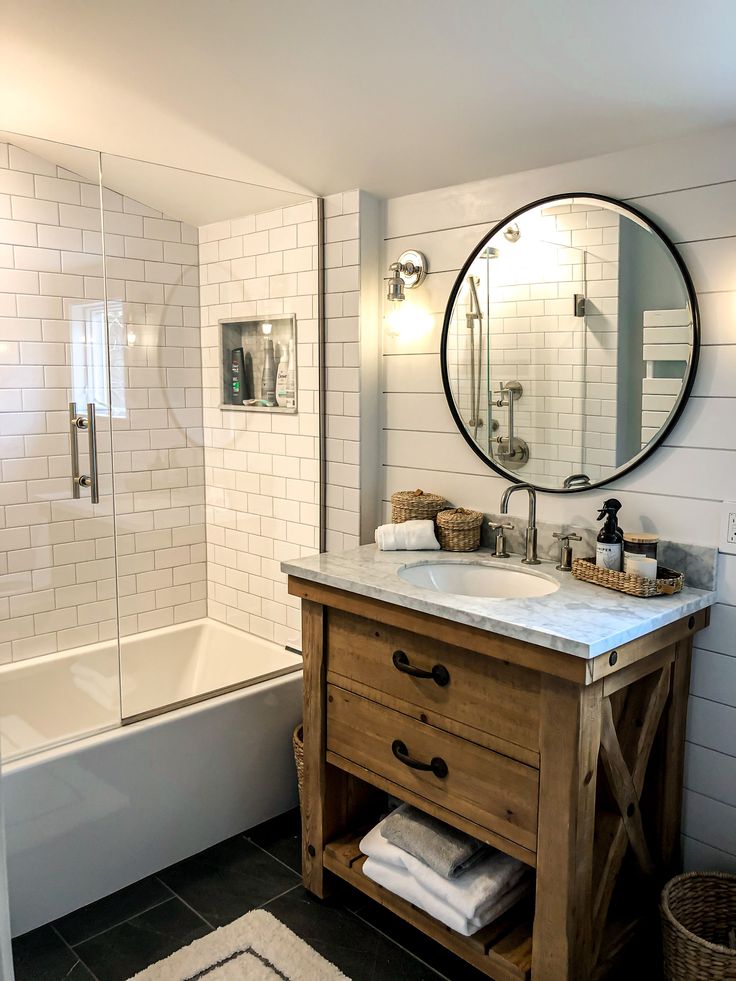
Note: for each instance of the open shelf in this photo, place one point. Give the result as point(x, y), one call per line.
point(502, 950)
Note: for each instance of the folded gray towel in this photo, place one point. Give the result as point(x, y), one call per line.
point(444, 849)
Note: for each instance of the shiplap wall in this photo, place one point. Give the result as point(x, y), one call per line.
point(689, 188)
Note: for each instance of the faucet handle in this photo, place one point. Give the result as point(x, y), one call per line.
point(564, 538)
point(498, 529)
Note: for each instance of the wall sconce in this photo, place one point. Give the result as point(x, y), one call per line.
point(408, 272)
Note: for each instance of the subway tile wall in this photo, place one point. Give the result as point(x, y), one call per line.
point(261, 469)
point(57, 562)
point(343, 368)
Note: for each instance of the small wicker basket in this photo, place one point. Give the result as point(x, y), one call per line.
point(698, 912)
point(297, 741)
point(415, 506)
point(667, 582)
point(458, 530)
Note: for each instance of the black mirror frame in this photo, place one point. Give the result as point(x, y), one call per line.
point(688, 381)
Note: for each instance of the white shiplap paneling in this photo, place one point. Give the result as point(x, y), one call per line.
point(689, 188)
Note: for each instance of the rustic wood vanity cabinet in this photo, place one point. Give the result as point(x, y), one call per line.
point(573, 766)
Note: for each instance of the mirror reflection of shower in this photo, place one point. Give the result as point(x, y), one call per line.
point(474, 317)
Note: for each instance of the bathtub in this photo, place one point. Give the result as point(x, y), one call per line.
point(204, 752)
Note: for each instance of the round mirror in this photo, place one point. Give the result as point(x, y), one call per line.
point(570, 342)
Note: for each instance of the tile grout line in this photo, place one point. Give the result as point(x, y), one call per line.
point(270, 855)
point(79, 960)
point(396, 943)
point(189, 906)
point(93, 936)
point(274, 898)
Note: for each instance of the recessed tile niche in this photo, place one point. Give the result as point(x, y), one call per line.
point(251, 379)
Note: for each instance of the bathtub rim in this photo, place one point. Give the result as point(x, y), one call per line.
point(117, 731)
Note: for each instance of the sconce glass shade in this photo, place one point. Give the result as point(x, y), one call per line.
point(395, 287)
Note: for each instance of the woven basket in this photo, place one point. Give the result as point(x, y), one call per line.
point(698, 910)
point(297, 741)
point(666, 583)
point(415, 506)
point(458, 530)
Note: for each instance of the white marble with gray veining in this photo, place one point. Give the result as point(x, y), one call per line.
point(579, 618)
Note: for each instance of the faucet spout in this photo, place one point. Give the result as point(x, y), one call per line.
point(531, 532)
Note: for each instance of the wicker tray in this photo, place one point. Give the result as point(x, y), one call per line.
point(415, 506)
point(458, 530)
point(667, 582)
point(698, 911)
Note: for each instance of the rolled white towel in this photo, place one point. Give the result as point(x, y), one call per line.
point(471, 894)
point(410, 536)
point(404, 884)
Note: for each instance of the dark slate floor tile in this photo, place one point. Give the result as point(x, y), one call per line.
point(416, 942)
point(228, 880)
point(282, 838)
point(122, 951)
point(112, 910)
point(42, 955)
point(358, 950)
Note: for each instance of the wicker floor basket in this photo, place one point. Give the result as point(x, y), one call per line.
point(297, 741)
point(458, 530)
point(666, 583)
point(415, 506)
point(698, 911)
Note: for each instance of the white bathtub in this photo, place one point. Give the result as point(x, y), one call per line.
point(208, 754)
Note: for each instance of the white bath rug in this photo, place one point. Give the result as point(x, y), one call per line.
point(257, 947)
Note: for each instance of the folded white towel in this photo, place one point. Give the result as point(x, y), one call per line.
point(410, 536)
point(402, 883)
point(471, 894)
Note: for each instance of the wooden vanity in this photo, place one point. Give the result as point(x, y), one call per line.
point(573, 766)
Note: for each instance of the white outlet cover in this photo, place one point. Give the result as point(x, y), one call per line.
point(727, 541)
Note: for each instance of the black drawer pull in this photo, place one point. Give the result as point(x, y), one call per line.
point(439, 673)
point(437, 765)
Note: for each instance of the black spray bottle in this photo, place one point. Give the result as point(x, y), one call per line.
point(610, 542)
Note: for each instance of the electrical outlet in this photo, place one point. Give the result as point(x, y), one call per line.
point(728, 527)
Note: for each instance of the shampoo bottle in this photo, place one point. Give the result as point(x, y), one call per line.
point(281, 377)
point(610, 542)
point(237, 373)
point(291, 378)
point(268, 379)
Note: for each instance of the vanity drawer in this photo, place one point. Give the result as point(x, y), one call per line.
point(490, 695)
point(493, 791)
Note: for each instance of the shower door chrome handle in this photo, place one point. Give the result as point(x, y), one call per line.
point(88, 423)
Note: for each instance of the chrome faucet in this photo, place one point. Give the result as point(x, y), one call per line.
point(531, 532)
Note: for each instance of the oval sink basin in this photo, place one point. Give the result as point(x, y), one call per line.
point(474, 579)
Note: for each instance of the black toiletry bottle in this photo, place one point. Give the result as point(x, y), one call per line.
point(610, 542)
point(237, 373)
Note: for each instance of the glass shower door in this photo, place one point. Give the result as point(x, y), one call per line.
point(59, 675)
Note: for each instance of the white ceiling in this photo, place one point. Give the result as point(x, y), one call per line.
point(388, 96)
point(196, 198)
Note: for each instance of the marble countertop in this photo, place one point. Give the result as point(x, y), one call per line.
point(579, 618)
